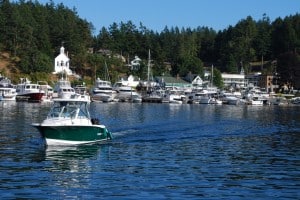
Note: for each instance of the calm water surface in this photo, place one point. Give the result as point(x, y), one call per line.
point(159, 151)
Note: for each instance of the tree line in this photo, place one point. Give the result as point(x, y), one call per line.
point(34, 32)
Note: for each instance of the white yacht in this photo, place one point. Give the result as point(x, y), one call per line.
point(207, 95)
point(256, 96)
point(7, 90)
point(174, 96)
point(102, 91)
point(63, 89)
point(126, 93)
point(231, 98)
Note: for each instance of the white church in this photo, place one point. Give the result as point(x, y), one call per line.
point(62, 63)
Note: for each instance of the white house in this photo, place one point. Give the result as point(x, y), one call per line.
point(62, 63)
point(197, 82)
point(131, 81)
point(135, 63)
point(236, 80)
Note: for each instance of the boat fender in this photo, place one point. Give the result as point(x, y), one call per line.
point(95, 121)
point(109, 135)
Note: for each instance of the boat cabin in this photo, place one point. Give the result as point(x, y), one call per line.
point(69, 109)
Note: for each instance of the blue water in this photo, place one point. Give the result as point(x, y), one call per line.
point(159, 151)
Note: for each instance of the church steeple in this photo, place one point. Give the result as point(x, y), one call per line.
point(62, 50)
point(62, 62)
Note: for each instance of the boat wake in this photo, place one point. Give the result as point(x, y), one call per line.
point(121, 133)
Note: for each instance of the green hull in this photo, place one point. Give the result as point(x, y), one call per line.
point(74, 134)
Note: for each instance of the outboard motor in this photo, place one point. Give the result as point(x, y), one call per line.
point(95, 121)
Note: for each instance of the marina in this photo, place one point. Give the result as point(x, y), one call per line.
point(186, 108)
point(159, 151)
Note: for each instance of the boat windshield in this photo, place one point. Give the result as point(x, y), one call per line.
point(69, 109)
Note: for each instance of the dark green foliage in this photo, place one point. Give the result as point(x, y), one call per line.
point(35, 32)
point(290, 68)
point(217, 79)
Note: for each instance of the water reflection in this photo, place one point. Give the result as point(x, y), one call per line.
point(73, 157)
point(159, 151)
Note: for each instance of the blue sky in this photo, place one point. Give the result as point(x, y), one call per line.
point(156, 14)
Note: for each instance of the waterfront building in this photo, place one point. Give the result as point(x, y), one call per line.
point(62, 63)
point(233, 80)
point(266, 81)
point(129, 81)
point(253, 79)
point(169, 81)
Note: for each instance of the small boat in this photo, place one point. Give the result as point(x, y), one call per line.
point(7, 90)
point(152, 97)
point(295, 100)
point(29, 91)
point(255, 101)
point(69, 123)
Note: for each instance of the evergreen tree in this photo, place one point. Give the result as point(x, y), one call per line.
point(33, 33)
point(262, 41)
point(217, 79)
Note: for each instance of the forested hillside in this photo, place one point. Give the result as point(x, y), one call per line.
point(32, 33)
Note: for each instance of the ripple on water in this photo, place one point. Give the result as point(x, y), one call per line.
point(159, 151)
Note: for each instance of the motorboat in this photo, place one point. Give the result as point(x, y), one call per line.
point(154, 96)
point(174, 96)
point(102, 91)
point(126, 93)
point(295, 100)
point(63, 89)
point(69, 123)
point(255, 101)
point(29, 91)
point(7, 90)
point(231, 98)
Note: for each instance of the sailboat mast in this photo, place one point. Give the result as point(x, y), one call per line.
point(106, 73)
point(212, 75)
point(148, 72)
point(95, 72)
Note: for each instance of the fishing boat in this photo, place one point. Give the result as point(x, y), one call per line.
point(69, 123)
point(29, 91)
